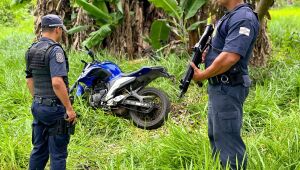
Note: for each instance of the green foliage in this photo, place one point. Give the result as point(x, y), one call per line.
point(103, 141)
point(105, 21)
point(286, 3)
point(191, 7)
point(159, 33)
point(101, 5)
point(11, 14)
point(21, 1)
point(195, 25)
point(289, 38)
point(6, 14)
point(169, 6)
point(98, 36)
point(95, 11)
point(77, 29)
point(179, 15)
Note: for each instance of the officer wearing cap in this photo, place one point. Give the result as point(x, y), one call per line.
point(47, 79)
point(226, 64)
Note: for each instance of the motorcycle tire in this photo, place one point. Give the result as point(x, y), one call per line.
point(157, 116)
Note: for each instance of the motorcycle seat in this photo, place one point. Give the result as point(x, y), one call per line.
point(137, 73)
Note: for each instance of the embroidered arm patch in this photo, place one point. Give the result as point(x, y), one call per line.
point(244, 31)
point(60, 58)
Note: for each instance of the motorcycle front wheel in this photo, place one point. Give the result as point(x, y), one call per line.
point(159, 113)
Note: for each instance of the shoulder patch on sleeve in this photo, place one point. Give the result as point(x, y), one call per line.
point(60, 58)
point(244, 31)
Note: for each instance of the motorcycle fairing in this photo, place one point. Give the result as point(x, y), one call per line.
point(80, 90)
point(117, 84)
point(104, 71)
point(112, 68)
point(93, 73)
point(136, 79)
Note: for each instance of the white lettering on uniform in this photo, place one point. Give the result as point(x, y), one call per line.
point(244, 31)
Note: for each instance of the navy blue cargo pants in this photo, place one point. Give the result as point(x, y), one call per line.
point(225, 113)
point(45, 145)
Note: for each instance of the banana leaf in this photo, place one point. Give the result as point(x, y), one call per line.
point(120, 7)
point(95, 11)
point(169, 6)
point(77, 29)
point(182, 4)
point(195, 25)
point(192, 6)
point(159, 33)
point(97, 37)
point(101, 5)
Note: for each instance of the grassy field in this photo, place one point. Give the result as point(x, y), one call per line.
point(103, 141)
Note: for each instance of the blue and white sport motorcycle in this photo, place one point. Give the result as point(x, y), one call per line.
point(105, 86)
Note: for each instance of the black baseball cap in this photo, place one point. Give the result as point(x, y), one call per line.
point(52, 21)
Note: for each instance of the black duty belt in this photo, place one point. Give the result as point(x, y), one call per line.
point(226, 79)
point(47, 101)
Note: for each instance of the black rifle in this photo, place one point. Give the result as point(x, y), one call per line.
point(196, 59)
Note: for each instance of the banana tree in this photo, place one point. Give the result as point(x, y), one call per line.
point(177, 22)
point(58, 7)
point(105, 21)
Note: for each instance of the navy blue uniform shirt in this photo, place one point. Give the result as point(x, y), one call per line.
point(235, 32)
point(57, 61)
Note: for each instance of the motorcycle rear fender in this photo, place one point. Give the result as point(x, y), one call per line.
point(151, 74)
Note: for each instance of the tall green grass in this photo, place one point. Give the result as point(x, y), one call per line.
point(284, 32)
point(103, 141)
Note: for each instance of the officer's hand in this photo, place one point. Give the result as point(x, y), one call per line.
point(197, 73)
point(71, 116)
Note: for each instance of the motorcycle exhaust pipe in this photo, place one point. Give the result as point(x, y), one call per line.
point(136, 103)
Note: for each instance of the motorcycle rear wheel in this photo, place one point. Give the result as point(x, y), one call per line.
point(157, 116)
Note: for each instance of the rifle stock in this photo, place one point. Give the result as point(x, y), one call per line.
point(196, 59)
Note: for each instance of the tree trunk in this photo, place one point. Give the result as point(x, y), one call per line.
point(193, 35)
point(82, 19)
point(262, 47)
point(216, 11)
point(202, 15)
point(262, 8)
point(58, 7)
point(128, 37)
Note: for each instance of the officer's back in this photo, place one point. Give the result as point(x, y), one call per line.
point(47, 79)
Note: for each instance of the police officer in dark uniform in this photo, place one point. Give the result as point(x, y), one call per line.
point(226, 64)
point(47, 79)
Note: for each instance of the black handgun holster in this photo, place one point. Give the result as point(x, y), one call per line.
point(62, 127)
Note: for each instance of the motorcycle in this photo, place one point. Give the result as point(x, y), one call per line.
point(105, 86)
